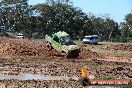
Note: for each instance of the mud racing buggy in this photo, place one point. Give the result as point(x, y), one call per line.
point(62, 42)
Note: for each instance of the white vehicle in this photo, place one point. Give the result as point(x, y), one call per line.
point(19, 35)
point(91, 39)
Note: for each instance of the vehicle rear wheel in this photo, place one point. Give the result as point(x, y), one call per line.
point(49, 46)
point(73, 54)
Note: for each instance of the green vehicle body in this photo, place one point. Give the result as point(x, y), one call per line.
point(62, 42)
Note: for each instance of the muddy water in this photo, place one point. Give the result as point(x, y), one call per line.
point(25, 76)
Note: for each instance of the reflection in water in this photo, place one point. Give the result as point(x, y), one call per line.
point(25, 76)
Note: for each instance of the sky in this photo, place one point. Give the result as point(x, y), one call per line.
point(117, 9)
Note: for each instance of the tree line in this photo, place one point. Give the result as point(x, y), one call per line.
point(61, 15)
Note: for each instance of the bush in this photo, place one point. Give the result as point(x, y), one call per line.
point(115, 39)
point(123, 39)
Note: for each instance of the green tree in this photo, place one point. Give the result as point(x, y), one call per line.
point(15, 14)
point(106, 28)
point(62, 16)
point(128, 19)
point(125, 32)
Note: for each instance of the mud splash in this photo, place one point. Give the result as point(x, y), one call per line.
point(25, 76)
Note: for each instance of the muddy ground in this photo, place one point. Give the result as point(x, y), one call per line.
point(47, 84)
point(29, 56)
point(70, 68)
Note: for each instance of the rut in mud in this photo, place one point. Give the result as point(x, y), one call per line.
point(65, 67)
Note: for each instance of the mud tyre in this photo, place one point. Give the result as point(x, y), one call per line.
point(49, 47)
point(73, 54)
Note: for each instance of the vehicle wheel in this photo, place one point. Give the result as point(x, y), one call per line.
point(49, 46)
point(73, 54)
point(96, 43)
point(69, 55)
point(83, 43)
point(85, 81)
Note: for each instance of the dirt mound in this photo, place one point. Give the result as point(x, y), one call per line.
point(85, 53)
point(127, 47)
point(25, 47)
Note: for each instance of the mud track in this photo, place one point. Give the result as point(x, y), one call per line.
point(31, 57)
point(68, 68)
point(24, 47)
point(57, 67)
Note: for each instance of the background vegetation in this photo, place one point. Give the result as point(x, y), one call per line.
point(61, 15)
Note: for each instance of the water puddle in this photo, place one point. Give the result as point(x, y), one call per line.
point(25, 76)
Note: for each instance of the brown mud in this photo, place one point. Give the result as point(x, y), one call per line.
point(32, 57)
point(24, 47)
point(125, 47)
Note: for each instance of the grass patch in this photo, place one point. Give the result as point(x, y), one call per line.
point(98, 49)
